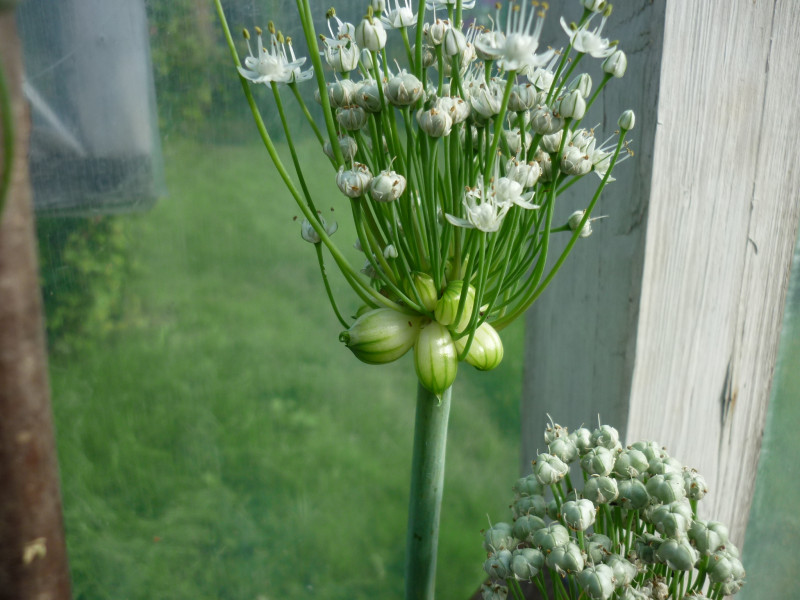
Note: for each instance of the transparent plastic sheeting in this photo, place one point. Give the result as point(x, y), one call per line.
point(88, 78)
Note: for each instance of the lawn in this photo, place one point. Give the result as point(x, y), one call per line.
point(223, 443)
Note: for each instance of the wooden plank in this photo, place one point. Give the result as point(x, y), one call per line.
point(579, 347)
point(33, 560)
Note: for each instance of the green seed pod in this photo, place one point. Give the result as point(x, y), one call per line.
point(694, 484)
point(678, 554)
point(578, 515)
point(566, 558)
point(381, 335)
point(708, 536)
point(583, 440)
point(633, 494)
point(624, 570)
point(597, 581)
point(564, 448)
point(549, 469)
point(662, 466)
point(528, 486)
point(630, 463)
point(551, 537)
point(673, 519)
point(646, 546)
point(486, 350)
point(498, 565)
point(447, 306)
point(630, 593)
point(526, 525)
point(530, 505)
point(526, 563)
point(426, 289)
point(435, 358)
point(666, 488)
point(606, 436)
point(494, 591)
point(723, 566)
point(601, 489)
point(499, 537)
point(598, 547)
point(598, 461)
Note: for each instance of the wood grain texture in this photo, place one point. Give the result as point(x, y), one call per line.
point(33, 562)
point(579, 346)
point(723, 218)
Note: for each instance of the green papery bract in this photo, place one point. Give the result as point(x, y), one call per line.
point(426, 289)
point(447, 306)
point(435, 357)
point(486, 350)
point(381, 335)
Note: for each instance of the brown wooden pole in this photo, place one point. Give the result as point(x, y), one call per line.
point(33, 557)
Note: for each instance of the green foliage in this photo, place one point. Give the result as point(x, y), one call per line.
point(85, 264)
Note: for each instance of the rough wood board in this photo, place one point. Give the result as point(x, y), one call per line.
point(720, 235)
point(579, 352)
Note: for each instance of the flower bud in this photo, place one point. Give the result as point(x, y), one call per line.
point(454, 42)
point(498, 565)
point(340, 93)
point(435, 358)
point(572, 105)
point(627, 120)
point(456, 108)
point(582, 83)
point(566, 559)
point(598, 547)
point(353, 183)
point(526, 525)
point(550, 142)
point(366, 59)
point(616, 64)
point(523, 97)
point(434, 32)
point(499, 537)
point(678, 554)
point(387, 186)
point(574, 222)
point(549, 469)
point(666, 488)
point(370, 34)
point(525, 174)
point(381, 335)
point(367, 96)
point(541, 78)
point(428, 57)
point(544, 121)
point(486, 350)
point(526, 563)
point(551, 537)
point(534, 504)
point(342, 58)
point(575, 162)
point(597, 581)
point(598, 461)
point(632, 494)
point(436, 124)
point(514, 140)
point(351, 118)
point(546, 164)
point(348, 146)
point(600, 489)
point(578, 515)
point(403, 89)
point(594, 5)
point(447, 306)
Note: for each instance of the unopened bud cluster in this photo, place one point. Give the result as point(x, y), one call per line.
point(632, 532)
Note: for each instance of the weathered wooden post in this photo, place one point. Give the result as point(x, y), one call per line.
point(667, 322)
point(32, 551)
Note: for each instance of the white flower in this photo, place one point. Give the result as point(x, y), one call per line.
point(390, 251)
point(353, 183)
point(342, 55)
point(399, 16)
point(526, 174)
point(575, 220)
point(273, 65)
point(589, 42)
point(518, 50)
point(310, 235)
point(482, 208)
point(370, 34)
point(509, 192)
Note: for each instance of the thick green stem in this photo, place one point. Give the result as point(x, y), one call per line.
point(427, 483)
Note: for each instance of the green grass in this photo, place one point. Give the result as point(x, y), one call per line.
point(224, 444)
